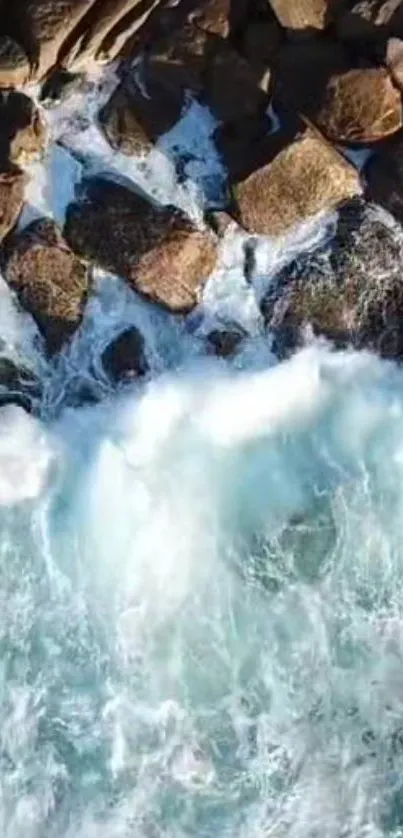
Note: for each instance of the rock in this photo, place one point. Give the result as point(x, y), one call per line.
point(156, 249)
point(360, 106)
point(349, 290)
point(50, 281)
point(370, 20)
point(124, 359)
point(302, 72)
point(384, 178)
point(134, 119)
point(221, 17)
point(14, 65)
point(208, 67)
point(42, 26)
point(225, 342)
point(246, 145)
point(260, 44)
point(300, 15)
point(12, 189)
point(23, 132)
point(306, 177)
point(18, 385)
point(60, 84)
point(394, 60)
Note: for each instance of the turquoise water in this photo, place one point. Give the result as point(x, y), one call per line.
point(201, 617)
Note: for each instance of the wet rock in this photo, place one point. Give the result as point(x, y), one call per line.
point(225, 342)
point(306, 177)
point(368, 20)
point(208, 67)
point(349, 290)
point(124, 359)
point(41, 27)
point(12, 189)
point(60, 84)
point(384, 178)
point(305, 15)
point(135, 118)
point(220, 16)
point(18, 385)
point(360, 106)
point(23, 132)
point(157, 249)
point(14, 65)
point(50, 281)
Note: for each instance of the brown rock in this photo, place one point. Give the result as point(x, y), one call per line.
point(41, 27)
point(349, 289)
point(156, 249)
point(371, 20)
point(307, 177)
point(133, 121)
point(124, 359)
point(394, 60)
point(12, 189)
point(50, 281)
point(14, 65)
point(360, 106)
point(384, 177)
point(22, 129)
point(300, 15)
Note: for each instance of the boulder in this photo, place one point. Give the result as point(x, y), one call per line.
point(360, 106)
point(124, 359)
point(369, 20)
point(157, 249)
point(134, 118)
point(42, 26)
point(349, 290)
point(14, 65)
point(50, 281)
point(384, 178)
point(22, 132)
point(12, 189)
point(300, 15)
point(306, 177)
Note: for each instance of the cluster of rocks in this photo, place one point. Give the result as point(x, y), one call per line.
point(331, 70)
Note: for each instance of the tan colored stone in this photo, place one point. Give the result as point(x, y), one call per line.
point(12, 189)
point(307, 177)
point(305, 14)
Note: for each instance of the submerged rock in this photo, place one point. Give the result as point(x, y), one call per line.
point(157, 249)
point(22, 130)
point(306, 177)
point(124, 359)
point(349, 290)
point(50, 281)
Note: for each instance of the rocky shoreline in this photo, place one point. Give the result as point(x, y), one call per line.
point(298, 92)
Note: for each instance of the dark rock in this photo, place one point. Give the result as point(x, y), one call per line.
point(370, 20)
point(14, 65)
point(303, 70)
point(360, 106)
point(50, 281)
point(384, 177)
point(18, 385)
point(134, 119)
point(225, 342)
point(306, 177)
point(12, 189)
point(23, 132)
point(60, 84)
point(156, 249)
point(246, 145)
point(221, 17)
point(306, 15)
point(260, 44)
point(349, 290)
point(124, 359)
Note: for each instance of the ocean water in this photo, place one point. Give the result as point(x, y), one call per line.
point(201, 574)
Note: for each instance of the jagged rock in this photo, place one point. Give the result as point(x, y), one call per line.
point(307, 177)
point(124, 359)
point(370, 20)
point(134, 119)
point(208, 67)
point(18, 385)
point(12, 189)
point(22, 132)
point(300, 15)
point(41, 27)
point(50, 281)
point(14, 64)
point(156, 249)
point(225, 342)
point(360, 106)
point(349, 290)
point(384, 178)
